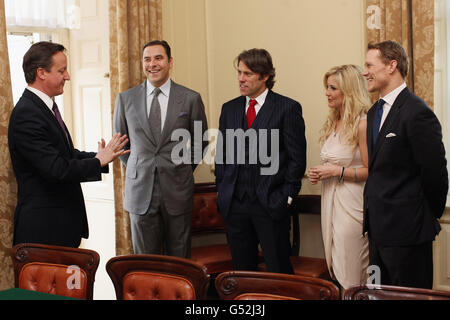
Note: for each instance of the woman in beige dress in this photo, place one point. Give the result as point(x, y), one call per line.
point(343, 173)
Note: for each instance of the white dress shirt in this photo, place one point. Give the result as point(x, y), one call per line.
point(259, 101)
point(163, 99)
point(390, 99)
point(44, 97)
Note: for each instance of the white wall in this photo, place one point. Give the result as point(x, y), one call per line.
point(305, 38)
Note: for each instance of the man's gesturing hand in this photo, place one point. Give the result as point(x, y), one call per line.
point(114, 149)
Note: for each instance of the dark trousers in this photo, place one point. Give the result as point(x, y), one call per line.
point(248, 225)
point(410, 266)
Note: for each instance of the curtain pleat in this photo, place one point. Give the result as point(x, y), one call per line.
point(8, 186)
point(410, 23)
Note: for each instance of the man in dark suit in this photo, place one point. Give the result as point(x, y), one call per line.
point(260, 162)
point(407, 186)
point(50, 205)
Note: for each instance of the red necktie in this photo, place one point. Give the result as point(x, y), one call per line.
point(251, 113)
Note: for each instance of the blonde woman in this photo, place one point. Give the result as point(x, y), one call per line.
point(343, 173)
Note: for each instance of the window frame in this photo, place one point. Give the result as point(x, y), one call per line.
point(59, 35)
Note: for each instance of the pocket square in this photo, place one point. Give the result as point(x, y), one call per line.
point(183, 114)
point(391, 135)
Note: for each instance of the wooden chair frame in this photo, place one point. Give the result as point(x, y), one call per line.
point(119, 267)
point(384, 292)
point(232, 284)
point(87, 260)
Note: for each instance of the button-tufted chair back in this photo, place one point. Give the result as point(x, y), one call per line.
point(207, 221)
point(248, 285)
point(157, 277)
point(205, 216)
point(55, 270)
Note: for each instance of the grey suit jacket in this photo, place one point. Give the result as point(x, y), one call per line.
point(185, 107)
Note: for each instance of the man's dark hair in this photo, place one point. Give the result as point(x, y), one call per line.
point(259, 61)
point(40, 55)
point(391, 50)
point(159, 43)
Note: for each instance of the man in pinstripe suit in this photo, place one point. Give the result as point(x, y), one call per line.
point(254, 201)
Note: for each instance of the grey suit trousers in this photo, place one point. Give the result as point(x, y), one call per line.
point(158, 232)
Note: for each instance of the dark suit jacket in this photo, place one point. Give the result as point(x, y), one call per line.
point(272, 191)
point(50, 205)
point(407, 186)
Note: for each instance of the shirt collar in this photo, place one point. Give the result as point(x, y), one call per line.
point(392, 96)
point(44, 97)
point(165, 88)
point(260, 99)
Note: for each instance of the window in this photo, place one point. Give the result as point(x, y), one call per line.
point(31, 21)
point(19, 41)
point(42, 13)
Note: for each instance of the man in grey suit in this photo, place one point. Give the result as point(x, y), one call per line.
point(159, 189)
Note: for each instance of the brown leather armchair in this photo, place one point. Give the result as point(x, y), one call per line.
point(246, 285)
point(157, 277)
point(206, 220)
point(383, 292)
point(56, 270)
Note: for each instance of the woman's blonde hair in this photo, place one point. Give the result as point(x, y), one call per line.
point(356, 103)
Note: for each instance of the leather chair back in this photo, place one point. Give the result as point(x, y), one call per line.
point(53, 279)
point(384, 292)
point(55, 270)
point(157, 277)
point(205, 216)
point(207, 221)
point(274, 286)
point(141, 285)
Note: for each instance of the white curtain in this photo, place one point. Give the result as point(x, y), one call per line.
point(42, 13)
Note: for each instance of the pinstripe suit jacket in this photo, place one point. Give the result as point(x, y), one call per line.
point(278, 113)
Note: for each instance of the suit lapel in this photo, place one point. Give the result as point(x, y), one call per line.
point(239, 114)
point(265, 113)
point(388, 123)
point(46, 111)
point(140, 103)
point(370, 116)
point(176, 99)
